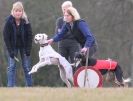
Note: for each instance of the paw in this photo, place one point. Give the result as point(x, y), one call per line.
point(33, 70)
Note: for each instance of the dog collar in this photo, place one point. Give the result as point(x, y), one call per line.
point(43, 45)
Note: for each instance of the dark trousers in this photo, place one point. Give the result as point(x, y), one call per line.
point(68, 48)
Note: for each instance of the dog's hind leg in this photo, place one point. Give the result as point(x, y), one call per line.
point(68, 69)
point(63, 76)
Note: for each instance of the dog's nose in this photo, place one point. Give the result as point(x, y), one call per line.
point(36, 39)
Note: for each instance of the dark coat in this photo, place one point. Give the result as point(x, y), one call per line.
point(10, 35)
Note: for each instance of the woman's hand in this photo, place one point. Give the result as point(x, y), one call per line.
point(84, 50)
point(50, 41)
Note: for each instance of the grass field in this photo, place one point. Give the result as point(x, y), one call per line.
point(66, 94)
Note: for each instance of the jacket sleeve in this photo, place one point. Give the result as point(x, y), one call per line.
point(84, 28)
point(7, 36)
point(59, 36)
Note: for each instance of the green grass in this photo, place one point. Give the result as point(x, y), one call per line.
point(66, 94)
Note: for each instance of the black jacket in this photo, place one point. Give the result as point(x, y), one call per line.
point(10, 36)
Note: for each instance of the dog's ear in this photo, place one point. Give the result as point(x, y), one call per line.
point(45, 36)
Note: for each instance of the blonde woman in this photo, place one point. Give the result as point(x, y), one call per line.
point(18, 39)
point(79, 29)
point(68, 45)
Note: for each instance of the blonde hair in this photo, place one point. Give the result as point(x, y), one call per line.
point(18, 5)
point(66, 3)
point(73, 12)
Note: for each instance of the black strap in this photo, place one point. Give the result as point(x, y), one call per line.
point(43, 45)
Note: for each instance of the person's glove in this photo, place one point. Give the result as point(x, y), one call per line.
point(78, 55)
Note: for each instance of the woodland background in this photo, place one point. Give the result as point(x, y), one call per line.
point(111, 21)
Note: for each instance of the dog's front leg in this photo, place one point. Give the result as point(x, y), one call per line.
point(37, 66)
point(34, 68)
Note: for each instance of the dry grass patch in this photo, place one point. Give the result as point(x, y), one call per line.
point(65, 94)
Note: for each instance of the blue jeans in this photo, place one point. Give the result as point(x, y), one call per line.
point(11, 70)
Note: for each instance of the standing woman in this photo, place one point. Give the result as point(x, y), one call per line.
point(68, 45)
point(79, 29)
point(18, 39)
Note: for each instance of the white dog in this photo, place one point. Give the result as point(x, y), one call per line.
point(48, 56)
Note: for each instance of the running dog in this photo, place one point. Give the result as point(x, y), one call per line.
point(48, 56)
point(104, 66)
